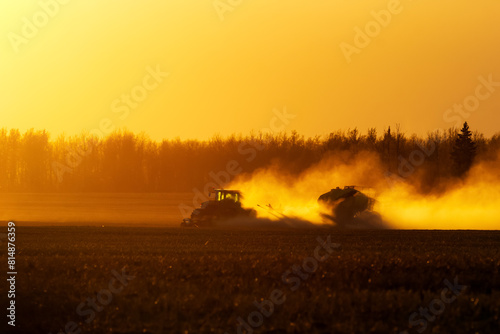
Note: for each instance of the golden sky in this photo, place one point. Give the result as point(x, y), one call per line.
point(230, 66)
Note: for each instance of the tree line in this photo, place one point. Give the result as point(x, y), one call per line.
point(128, 162)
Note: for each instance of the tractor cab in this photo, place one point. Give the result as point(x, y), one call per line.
point(227, 195)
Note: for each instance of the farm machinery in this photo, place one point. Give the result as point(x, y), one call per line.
point(350, 208)
point(226, 204)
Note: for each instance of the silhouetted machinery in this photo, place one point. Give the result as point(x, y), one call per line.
point(225, 205)
point(350, 208)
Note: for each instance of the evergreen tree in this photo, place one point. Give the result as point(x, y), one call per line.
point(464, 151)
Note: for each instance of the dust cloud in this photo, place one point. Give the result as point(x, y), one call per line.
point(469, 203)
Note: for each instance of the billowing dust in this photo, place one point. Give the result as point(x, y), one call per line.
point(469, 203)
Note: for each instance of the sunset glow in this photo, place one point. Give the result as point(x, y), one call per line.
point(230, 66)
point(249, 166)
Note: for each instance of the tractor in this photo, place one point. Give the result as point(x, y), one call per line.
point(226, 204)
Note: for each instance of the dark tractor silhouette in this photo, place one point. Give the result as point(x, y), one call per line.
point(350, 208)
point(225, 205)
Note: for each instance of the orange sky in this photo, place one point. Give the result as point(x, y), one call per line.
point(229, 68)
